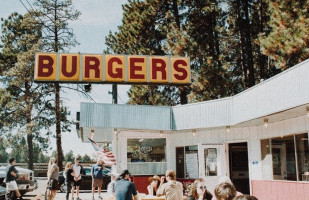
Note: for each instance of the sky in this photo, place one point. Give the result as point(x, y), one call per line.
point(98, 18)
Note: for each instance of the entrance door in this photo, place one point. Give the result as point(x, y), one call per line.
point(180, 162)
point(239, 170)
point(212, 160)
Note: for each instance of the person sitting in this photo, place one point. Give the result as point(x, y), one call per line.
point(225, 179)
point(154, 185)
point(199, 191)
point(225, 191)
point(246, 197)
point(173, 189)
point(124, 188)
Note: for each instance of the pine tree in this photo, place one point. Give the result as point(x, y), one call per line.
point(69, 157)
point(222, 38)
point(24, 106)
point(288, 41)
point(55, 15)
point(205, 29)
point(143, 32)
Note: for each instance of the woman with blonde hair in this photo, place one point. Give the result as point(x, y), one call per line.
point(199, 191)
point(52, 177)
point(69, 178)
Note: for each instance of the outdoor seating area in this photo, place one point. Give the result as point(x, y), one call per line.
point(147, 197)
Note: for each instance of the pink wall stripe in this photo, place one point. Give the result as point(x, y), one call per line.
point(280, 190)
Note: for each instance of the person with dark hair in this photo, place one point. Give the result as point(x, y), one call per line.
point(225, 191)
point(124, 188)
point(154, 185)
point(246, 197)
point(199, 191)
point(10, 178)
point(172, 189)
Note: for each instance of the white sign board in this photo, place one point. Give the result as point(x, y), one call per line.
point(192, 165)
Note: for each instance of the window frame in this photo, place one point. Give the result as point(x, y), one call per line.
point(269, 140)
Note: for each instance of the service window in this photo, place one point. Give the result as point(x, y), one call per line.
point(146, 150)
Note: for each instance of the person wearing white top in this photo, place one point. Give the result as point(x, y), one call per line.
point(173, 190)
point(78, 172)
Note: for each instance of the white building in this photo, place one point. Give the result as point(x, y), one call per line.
point(259, 138)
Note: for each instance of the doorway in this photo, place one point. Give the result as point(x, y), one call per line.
point(180, 162)
point(239, 170)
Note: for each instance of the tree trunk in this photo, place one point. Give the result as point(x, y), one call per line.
point(183, 92)
point(262, 58)
point(58, 127)
point(242, 45)
point(29, 126)
point(176, 13)
point(58, 106)
point(251, 78)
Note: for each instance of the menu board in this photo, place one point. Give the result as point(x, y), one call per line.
point(192, 165)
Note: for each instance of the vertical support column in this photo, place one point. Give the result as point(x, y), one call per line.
point(115, 94)
point(296, 159)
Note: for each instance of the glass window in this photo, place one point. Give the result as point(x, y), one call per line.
point(146, 150)
point(283, 155)
point(191, 160)
point(302, 156)
point(211, 159)
point(87, 171)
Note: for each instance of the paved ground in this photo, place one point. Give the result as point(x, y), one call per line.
point(38, 194)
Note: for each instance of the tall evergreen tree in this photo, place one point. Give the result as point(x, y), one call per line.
point(288, 41)
point(143, 31)
point(222, 38)
point(205, 28)
point(24, 106)
point(55, 16)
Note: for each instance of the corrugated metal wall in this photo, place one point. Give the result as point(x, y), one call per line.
point(125, 116)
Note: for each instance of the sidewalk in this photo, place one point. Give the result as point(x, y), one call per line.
point(38, 194)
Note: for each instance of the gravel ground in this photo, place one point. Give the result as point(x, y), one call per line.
point(38, 194)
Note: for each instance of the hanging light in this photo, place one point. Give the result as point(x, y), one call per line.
point(307, 108)
point(161, 133)
point(92, 133)
point(194, 132)
point(266, 122)
point(228, 129)
point(115, 131)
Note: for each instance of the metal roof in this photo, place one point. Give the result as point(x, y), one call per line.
point(284, 91)
point(125, 116)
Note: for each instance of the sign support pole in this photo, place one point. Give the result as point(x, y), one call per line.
point(115, 94)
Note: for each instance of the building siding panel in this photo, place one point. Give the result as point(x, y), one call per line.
point(125, 116)
point(287, 90)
